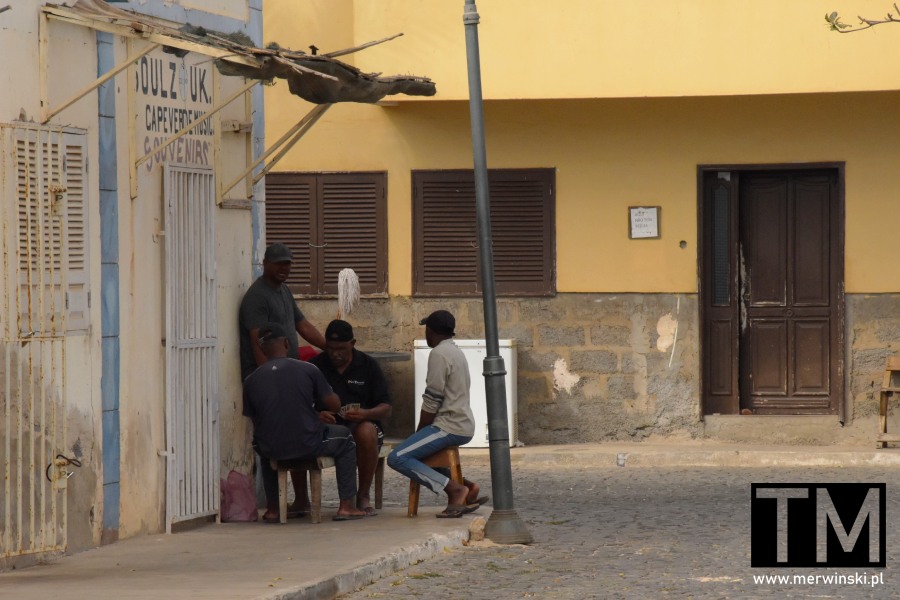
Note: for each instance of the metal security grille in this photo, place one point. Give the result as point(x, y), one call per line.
point(192, 408)
point(43, 298)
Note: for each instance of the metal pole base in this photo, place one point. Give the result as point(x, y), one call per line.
point(505, 527)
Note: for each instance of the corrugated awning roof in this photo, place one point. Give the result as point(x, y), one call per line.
point(320, 79)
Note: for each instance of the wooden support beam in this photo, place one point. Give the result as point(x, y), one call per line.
point(291, 137)
point(150, 34)
point(288, 146)
point(131, 94)
point(43, 62)
point(98, 82)
point(345, 51)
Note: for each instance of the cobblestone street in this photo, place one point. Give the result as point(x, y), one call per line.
point(631, 533)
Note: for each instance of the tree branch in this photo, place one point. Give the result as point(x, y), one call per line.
point(835, 23)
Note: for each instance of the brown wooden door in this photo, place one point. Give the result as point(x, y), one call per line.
point(772, 324)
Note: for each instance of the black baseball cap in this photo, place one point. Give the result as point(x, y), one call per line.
point(271, 331)
point(440, 321)
point(277, 253)
point(339, 331)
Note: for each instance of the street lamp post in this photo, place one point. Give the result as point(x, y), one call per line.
point(504, 526)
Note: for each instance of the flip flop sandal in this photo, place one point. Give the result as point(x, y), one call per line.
point(481, 501)
point(451, 512)
point(297, 514)
point(455, 511)
point(347, 517)
point(370, 512)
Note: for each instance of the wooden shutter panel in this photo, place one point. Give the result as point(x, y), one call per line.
point(354, 230)
point(74, 170)
point(446, 253)
point(52, 240)
point(290, 214)
point(522, 230)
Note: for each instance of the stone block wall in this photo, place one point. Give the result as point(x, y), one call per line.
point(603, 367)
point(591, 367)
point(873, 334)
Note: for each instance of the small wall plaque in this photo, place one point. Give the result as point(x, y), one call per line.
point(643, 222)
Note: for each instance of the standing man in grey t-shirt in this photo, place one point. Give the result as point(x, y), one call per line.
point(269, 300)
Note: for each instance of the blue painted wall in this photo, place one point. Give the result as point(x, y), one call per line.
point(109, 284)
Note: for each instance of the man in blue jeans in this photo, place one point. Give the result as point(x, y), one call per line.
point(445, 420)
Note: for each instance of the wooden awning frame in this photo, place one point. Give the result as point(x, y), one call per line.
point(232, 59)
point(142, 32)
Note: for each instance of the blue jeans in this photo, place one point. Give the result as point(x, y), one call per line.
point(406, 458)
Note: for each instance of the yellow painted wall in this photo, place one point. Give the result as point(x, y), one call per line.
point(610, 48)
point(613, 153)
point(326, 24)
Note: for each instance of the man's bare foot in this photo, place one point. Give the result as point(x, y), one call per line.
point(364, 504)
point(348, 512)
point(299, 508)
point(474, 488)
point(456, 493)
point(271, 516)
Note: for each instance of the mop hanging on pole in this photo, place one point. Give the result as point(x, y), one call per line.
point(348, 292)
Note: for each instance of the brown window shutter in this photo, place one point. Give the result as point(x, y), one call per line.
point(354, 229)
point(290, 214)
point(331, 221)
point(522, 230)
point(446, 252)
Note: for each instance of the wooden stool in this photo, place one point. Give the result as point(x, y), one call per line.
point(315, 467)
point(448, 457)
point(889, 385)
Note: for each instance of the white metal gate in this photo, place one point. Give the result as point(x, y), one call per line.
point(192, 408)
point(43, 298)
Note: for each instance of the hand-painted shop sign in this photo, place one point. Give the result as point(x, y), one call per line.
point(173, 92)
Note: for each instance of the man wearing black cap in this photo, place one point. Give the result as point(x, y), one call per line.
point(445, 420)
point(358, 381)
point(268, 300)
point(284, 398)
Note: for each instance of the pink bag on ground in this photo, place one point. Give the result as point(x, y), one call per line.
point(238, 499)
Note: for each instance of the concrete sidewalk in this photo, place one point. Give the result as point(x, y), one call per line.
point(300, 560)
point(241, 561)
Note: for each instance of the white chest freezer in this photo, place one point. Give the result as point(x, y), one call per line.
point(475, 351)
